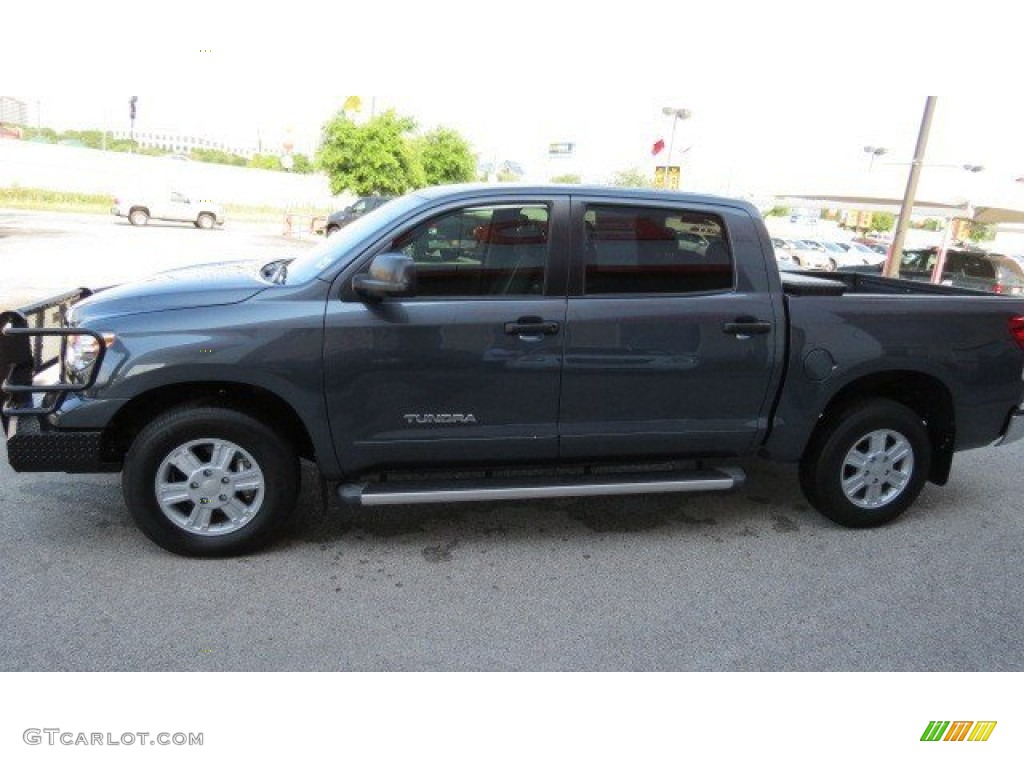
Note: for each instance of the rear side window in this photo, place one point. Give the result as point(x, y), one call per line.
point(631, 250)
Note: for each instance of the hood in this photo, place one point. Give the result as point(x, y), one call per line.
point(205, 285)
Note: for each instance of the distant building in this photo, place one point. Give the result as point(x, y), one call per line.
point(13, 111)
point(181, 144)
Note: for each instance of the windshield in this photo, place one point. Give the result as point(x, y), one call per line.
point(834, 247)
point(345, 243)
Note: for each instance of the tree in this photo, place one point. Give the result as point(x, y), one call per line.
point(882, 222)
point(445, 157)
point(778, 210)
point(566, 178)
point(632, 177)
point(266, 162)
point(979, 232)
point(375, 157)
point(302, 164)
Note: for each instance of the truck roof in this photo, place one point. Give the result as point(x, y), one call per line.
point(588, 190)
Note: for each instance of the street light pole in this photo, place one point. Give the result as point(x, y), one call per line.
point(874, 152)
point(677, 115)
point(892, 263)
point(131, 129)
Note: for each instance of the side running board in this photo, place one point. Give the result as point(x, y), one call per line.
point(372, 494)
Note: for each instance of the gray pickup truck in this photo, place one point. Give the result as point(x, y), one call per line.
point(475, 343)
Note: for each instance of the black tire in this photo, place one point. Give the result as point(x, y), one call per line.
point(206, 221)
point(832, 266)
point(894, 470)
point(139, 217)
point(257, 459)
point(331, 230)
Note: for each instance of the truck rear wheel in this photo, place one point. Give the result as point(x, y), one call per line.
point(867, 463)
point(138, 217)
point(205, 221)
point(206, 481)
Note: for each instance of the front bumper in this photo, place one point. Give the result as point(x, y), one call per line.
point(34, 446)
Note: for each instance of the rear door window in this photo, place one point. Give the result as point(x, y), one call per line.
point(639, 250)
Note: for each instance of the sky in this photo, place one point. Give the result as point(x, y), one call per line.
point(783, 96)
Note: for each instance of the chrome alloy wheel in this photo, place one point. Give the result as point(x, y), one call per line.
point(209, 487)
point(877, 468)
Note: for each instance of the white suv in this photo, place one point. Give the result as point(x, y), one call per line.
point(169, 206)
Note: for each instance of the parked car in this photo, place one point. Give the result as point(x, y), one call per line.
point(350, 213)
point(810, 254)
point(858, 254)
point(783, 250)
point(168, 206)
point(975, 269)
point(488, 342)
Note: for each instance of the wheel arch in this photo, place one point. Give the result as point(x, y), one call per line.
point(923, 393)
point(255, 401)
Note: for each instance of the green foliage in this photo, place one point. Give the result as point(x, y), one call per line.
point(932, 225)
point(45, 134)
point(266, 162)
point(445, 157)
point(882, 222)
point(375, 157)
point(778, 210)
point(631, 177)
point(302, 164)
point(566, 178)
point(45, 199)
point(218, 156)
point(979, 232)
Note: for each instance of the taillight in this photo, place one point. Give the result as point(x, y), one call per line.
point(1017, 330)
point(998, 288)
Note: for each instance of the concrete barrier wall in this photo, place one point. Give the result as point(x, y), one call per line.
point(77, 169)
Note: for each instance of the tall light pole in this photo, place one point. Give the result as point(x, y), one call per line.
point(874, 152)
point(676, 114)
point(892, 264)
point(131, 129)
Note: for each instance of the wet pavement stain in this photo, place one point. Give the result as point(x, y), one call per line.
point(442, 553)
point(783, 524)
point(686, 519)
point(616, 521)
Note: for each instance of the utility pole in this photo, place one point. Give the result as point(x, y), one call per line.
point(892, 263)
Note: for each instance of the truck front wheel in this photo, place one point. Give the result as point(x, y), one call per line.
point(867, 463)
point(206, 481)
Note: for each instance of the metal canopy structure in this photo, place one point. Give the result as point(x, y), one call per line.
point(962, 209)
point(882, 204)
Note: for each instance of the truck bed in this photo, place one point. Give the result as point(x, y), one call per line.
point(840, 283)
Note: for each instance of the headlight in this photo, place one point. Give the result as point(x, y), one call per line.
point(81, 352)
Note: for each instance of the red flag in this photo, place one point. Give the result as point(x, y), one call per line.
point(658, 146)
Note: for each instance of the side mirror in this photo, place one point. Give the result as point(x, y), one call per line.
point(391, 274)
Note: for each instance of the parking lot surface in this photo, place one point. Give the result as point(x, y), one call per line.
point(754, 580)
